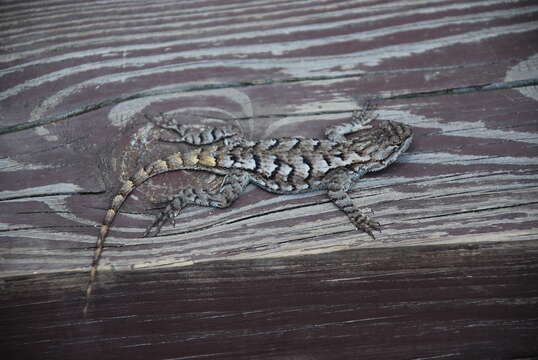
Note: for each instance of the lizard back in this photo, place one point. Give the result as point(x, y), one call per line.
point(296, 164)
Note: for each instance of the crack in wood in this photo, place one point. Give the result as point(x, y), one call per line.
point(45, 227)
point(52, 194)
point(479, 210)
point(501, 85)
point(441, 92)
point(41, 212)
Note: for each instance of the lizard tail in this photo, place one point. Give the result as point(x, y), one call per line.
point(196, 159)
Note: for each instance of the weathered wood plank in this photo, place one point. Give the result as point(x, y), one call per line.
point(453, 302)
point(75, 81)
point(466, 178)
point(271, 68)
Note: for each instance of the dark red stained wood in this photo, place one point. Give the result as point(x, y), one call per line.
point(75, 81)
point(452, 302)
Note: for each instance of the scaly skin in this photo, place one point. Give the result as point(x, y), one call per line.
point(286, 165)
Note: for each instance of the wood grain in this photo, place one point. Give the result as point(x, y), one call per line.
point(77, 78)
point(453, 302)
point(470, 174)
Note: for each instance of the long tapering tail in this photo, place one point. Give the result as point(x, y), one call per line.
point(200, 159)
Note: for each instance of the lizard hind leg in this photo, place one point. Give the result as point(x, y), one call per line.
point(338, 184)
point(232, 186)
point(192, 134)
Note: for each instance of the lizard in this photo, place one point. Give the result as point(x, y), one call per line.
point(286, 165)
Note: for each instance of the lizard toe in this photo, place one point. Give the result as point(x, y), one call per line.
point(366, 224)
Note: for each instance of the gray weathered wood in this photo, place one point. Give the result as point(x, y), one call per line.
point(469, 176)
point(76, 79)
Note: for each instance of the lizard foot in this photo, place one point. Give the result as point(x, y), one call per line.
point(168, 214)
point(366, 224)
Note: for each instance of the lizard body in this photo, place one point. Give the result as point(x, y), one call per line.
point(285, 165)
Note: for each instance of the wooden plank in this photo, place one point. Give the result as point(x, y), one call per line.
point(452, 275)
point(271, 69)
point(453, 302)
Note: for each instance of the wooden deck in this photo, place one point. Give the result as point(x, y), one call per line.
point(452, 275)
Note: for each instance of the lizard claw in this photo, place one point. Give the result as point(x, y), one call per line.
point(369, 232)
point(157, 224)
point(366, 224)
point(168, 214)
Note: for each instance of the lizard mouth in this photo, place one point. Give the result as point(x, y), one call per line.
point(400, 149)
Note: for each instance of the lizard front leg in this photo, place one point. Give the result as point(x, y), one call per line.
point(232, 186)
point(359, 121)
point(338, 184)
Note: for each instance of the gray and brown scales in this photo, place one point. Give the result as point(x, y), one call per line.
point(287, 165)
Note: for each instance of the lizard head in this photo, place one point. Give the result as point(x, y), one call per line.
point(392, 138)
